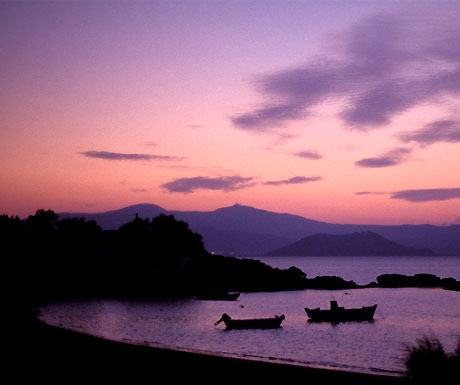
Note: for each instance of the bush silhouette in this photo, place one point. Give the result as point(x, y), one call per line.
point(428, 363)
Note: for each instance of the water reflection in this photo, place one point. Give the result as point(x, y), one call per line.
point(404, 315)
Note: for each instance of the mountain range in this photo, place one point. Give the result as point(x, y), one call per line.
point(244, 230)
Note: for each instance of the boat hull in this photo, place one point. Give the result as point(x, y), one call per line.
point(255, 323)
point(366, 313)
point(265, 323)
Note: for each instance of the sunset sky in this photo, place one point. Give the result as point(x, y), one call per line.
point(338, 111)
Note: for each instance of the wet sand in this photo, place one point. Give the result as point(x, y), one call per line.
point(60, 356)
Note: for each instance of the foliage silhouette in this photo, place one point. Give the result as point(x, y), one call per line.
point(54, 259)
point(43, 222)
point(428, 363)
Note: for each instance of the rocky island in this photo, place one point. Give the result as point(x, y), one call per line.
point(367, 243)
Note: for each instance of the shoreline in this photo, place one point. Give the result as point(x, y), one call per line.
point(61, 354)
point(268, 360)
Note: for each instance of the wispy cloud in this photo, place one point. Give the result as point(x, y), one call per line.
point(150, 144)
point(228, 183)
point(391, 158)
point(371, 193)
point(308, 155)
point(225, 183)
point(438, 131)
point(139, 190)
point(420, 195)
point(386, 65)
point(294, 180)
point(426, 195)
point(119, 156)
point(265, 118)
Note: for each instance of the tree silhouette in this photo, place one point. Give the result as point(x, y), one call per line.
point(77, 230)
point(74, 258)
point(136, 228)
point(42, 222)
point(174, 237)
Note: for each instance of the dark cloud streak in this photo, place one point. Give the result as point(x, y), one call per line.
point(150, 144)
point(420, 195)
point(225, 183)
point(293, 180)
point(437, 131)
point(426, 195)
point(313, 155)
point(266, 117)
point(371, 193)
point(391, 158)
point(115, 156)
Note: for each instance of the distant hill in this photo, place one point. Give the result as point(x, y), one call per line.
point(366, 243)
point(112, 220)
point(243, 230)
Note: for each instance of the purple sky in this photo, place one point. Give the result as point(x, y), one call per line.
point(345, 112)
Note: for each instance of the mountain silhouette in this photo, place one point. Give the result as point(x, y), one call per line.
point(244, 230)
point(366, 243)
point(112, 220)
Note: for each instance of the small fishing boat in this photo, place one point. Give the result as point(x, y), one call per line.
point(340, 314)
point(216, 295)
point(255, 323)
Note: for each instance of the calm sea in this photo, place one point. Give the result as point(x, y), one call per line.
point(402, 317)
point(363, 270)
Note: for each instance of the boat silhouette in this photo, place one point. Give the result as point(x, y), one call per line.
point(255, 323)
point(339, 314)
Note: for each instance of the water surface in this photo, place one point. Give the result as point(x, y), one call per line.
point(403, 316)
point(363, 270)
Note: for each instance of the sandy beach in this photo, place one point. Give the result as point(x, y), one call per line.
point(61, 356)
